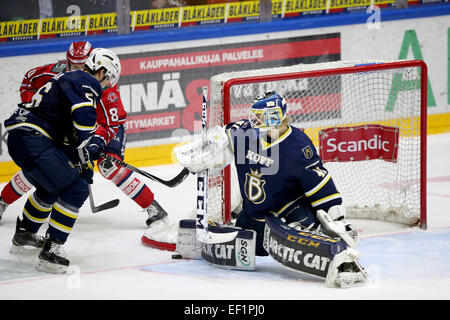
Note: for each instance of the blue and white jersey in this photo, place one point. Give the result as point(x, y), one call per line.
point(274, 174)
point(64, 106)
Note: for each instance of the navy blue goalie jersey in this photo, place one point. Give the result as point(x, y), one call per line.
point(63, 107)
point(274, 174)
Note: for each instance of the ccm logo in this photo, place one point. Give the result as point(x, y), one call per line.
point(358, 143)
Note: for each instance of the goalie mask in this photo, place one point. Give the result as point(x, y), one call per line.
point(268, 111)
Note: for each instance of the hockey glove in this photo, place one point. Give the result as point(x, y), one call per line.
point(87, 171)
point(95, 147)
point(91, 149)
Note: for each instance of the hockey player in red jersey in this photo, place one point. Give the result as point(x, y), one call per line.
point(110, 135)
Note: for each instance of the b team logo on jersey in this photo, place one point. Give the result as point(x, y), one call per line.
point(254, 187)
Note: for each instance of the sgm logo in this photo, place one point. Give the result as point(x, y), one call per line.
point(242, 252)
point(359, 143)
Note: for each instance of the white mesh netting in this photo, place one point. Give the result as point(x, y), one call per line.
point(371, 189)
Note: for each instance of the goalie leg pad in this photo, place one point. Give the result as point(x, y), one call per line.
point(301, 251)
point(187, 244)
point(224, 247)
point(230, 247)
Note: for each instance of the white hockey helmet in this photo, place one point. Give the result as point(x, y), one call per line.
point(104, 58)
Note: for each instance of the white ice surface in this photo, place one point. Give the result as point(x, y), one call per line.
point(109, 262)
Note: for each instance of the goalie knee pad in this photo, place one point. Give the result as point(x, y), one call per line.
point(300, 212)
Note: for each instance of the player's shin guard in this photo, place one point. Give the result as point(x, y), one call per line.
point(127, 181)
point(16, 188)
point(62, 220)
point(35, 213)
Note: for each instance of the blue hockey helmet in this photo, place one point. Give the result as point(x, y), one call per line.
point(268, 111)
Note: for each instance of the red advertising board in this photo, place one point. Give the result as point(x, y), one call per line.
point(162, 90)
point(358, 143)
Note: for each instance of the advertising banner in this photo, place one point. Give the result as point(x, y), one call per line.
point(176, 17)
point(161, 91)
point(359, 143)
point(156, 19)
point(19, 30)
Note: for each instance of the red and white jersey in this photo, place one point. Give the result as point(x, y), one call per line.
point(110, 114)
point(37, 77)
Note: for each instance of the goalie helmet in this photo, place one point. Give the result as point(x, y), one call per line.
point(78, 52)
point(104, 58)
point(268, 111)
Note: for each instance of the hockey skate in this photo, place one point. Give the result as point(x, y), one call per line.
point(161, 232)
point(24, 241)
point(3, 206)
point(53, 258)
point(155, 213)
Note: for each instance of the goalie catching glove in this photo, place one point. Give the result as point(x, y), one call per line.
point(213, 154)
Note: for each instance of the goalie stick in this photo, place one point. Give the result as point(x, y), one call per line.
point(105, 206)
point(201, 225)
point(169, 183)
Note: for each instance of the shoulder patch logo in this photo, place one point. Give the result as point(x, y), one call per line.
point(307, 152)
point(59, 67)
point(112, 97)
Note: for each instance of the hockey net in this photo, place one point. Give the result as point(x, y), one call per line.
point(351, 110)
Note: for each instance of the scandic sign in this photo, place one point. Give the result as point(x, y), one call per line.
point(358, 143)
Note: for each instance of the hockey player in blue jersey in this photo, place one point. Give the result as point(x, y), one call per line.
point(280, 175)
point(50, 140)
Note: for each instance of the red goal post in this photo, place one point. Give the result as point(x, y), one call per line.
point(353, 99)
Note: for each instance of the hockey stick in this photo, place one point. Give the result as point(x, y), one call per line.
point(169, 183)
point(105, 206)
point(201, 225)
